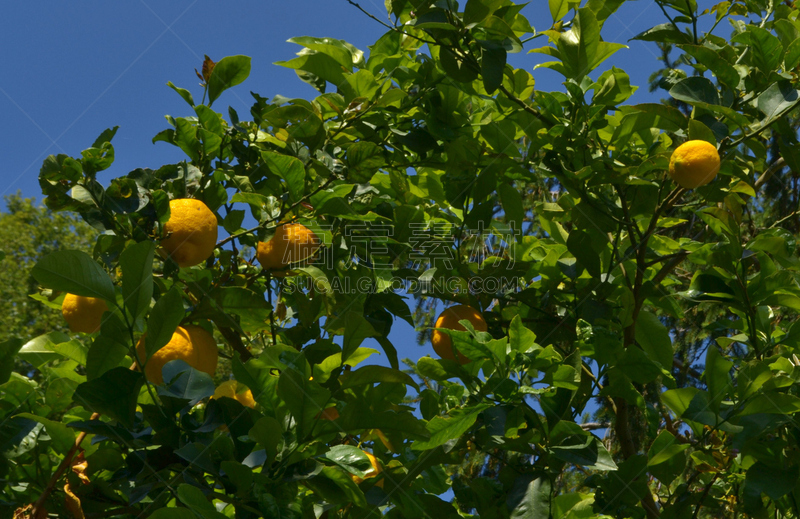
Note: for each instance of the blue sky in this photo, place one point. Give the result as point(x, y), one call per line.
point(73, 69)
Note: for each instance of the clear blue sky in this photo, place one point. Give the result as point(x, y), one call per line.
point(72, 69)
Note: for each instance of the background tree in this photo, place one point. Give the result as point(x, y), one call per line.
point(621, 281)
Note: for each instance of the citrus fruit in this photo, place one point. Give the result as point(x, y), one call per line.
point(291, 243)
point(189, 343)
point(376, 469)
point(329, 413)
point(694, 163)
point(232, 389)
point(449, 319)
point(83, 314)
point(191, 232)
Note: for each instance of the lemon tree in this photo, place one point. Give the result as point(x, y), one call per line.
point(622, 285)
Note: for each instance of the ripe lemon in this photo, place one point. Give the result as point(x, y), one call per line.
point(192, 232)
point(232, 389)
point(83, 314)
point(189, 343)
point(291, 243)
point(449, 319)
point(376, 469)
point(694, 163)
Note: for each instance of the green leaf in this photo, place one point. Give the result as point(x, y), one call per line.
point(604, 8)
point(304, 398)
point(699, 131)
point(105, 137)
point(63, 437)
point(289, 169)
point(350, 458)
point(590, 454)
point(363, 160)
point(103, 355)
point(356, 329)
point(194, 498)
point(228, 72)
point(654, 339)
point(185, 94)
point(529, 497)
point(240, 475)
point(777, 100)
point(113, 394)
point(477, 11)
point(40, 350)
point(664, 33)
point(267, 432)
point(456, 66)
point(432, 368)
point(678, 400)
point(717, 376)
point(186, 383)
point(775, 481)
point(511, 199)
point(694, 90)
point(349, 491)
point(579, 244)
point(521, 339)
point(772, 403)
point(724, 71)
point(8, 350)
point(558, 9)
point(766, 48)
point(374, 375)
point(666, 459)
point(136, 263)
point(493, 65)
point(251, 307)
point(792, 57)
point(74, 272)
point(444, 429)
point(172, 513)
point(164, 320)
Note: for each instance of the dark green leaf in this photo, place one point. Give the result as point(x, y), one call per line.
point(113, 394)
point(194, 498)
point(695, 89)
point(444, 429)
point(374, 375)
point(664, 33)
point(726, 74)
point(164, 320)
point(777, 99)
point(493, 65)
point(74, 272)
point(289, 169)
point(530, 497)
point(136, 263)
point(63, 437)
point(356, 329)
point(8, 350)
point(267, 432)
point(654, 339)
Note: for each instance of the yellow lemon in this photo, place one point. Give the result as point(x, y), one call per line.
point(191, 230)
point(83, 314)
point(376, 469)
point(232, 389)
point(449, 319)
point(189, 343)
point(291, 243)
point(694, 163)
